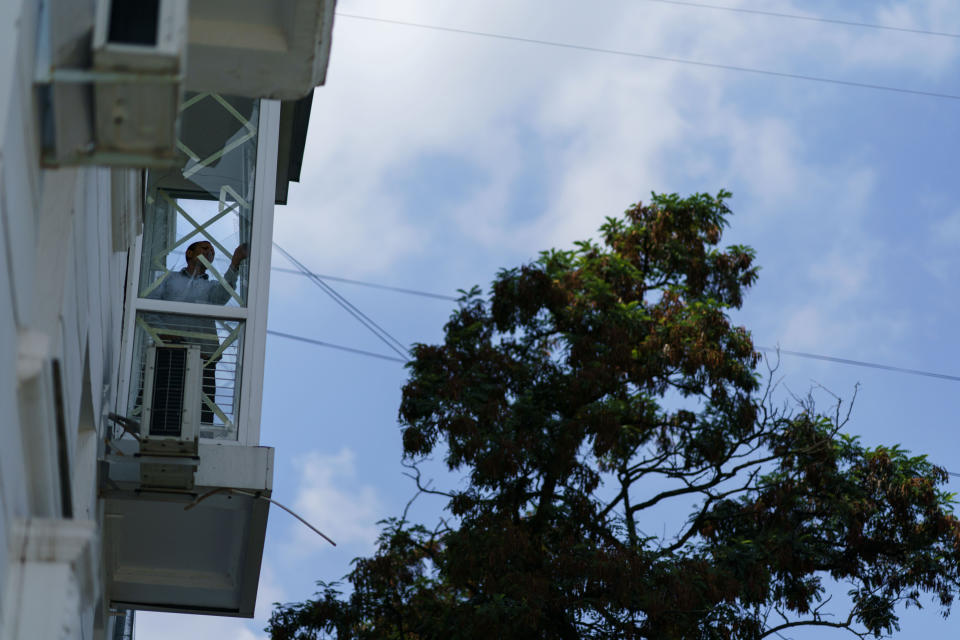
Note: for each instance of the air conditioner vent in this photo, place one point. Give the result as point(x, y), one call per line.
point(171, 393)
point(169, 378)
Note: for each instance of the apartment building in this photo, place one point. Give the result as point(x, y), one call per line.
point(143, 147)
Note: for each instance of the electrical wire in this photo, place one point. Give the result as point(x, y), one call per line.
point(258, 496)
point(315, 278)
point(364, 319)
point(799, 354)
point(860, 363)
point(766, 349)
point(381, 333)
point(288, 510)
point(413, 292)
point(320, 343)
point(794, 16)
point(647, 56)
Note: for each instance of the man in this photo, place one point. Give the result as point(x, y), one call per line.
point(193, 284)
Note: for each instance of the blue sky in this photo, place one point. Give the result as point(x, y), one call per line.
point(433, 159)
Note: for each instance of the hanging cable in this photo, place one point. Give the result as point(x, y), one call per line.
point(381, 333)
point(860, 363)
point(320, 343)
point(794, 16)
point(799, 354)
point(361, 317)
point(413, 292)
point(647, 56)
point(259, 496)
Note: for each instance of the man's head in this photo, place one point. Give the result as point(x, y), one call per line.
point(201, 247)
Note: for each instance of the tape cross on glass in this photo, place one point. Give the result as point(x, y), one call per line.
point(224, 207)
point(201, 163)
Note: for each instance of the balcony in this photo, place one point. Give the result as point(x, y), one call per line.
point(185, 482)
point(195, 551)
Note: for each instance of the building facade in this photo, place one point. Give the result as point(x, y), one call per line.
point(143, 146)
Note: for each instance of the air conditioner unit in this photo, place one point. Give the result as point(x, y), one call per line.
point(143, 44)
point(170, 428)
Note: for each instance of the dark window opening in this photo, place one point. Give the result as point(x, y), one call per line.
point(134, 22)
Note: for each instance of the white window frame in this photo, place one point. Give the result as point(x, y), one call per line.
point(254, 314)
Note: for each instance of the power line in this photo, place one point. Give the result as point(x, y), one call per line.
point(360, 316)
point(371, 354)
point(800, 354)
point(348, 306)
point(794, 16)
point(413, 292)
point(647, 56)
point(330, 345)
point(860, 363)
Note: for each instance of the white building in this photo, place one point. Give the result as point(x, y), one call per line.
point(131, 360)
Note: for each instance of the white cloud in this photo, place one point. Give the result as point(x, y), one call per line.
point(804, 329)
point(163, 626)
point(947, 230)
point(600, 130)
point(330, 497)
point(903, 51)
point(941, 236)
point(409, 92)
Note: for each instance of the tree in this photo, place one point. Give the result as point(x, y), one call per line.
point(592, 389)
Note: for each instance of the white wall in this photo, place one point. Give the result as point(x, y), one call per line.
point(61, 297)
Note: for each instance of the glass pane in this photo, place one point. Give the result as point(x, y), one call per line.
point(198, 217)
point(221, 352)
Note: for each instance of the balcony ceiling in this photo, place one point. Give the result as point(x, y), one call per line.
point(161, 556)
point(278, 49)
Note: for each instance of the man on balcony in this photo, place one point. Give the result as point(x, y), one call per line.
point(193, 284)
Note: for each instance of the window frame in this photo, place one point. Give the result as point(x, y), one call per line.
point(253, 314)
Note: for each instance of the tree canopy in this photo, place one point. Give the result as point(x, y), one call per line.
point(594, 393)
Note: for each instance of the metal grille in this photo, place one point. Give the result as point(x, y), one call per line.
point(221, 353)
point(167, 396)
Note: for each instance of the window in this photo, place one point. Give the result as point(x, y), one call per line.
point(208, 200)
point(192, 290)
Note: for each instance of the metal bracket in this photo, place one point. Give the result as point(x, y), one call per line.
point(91, 76)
